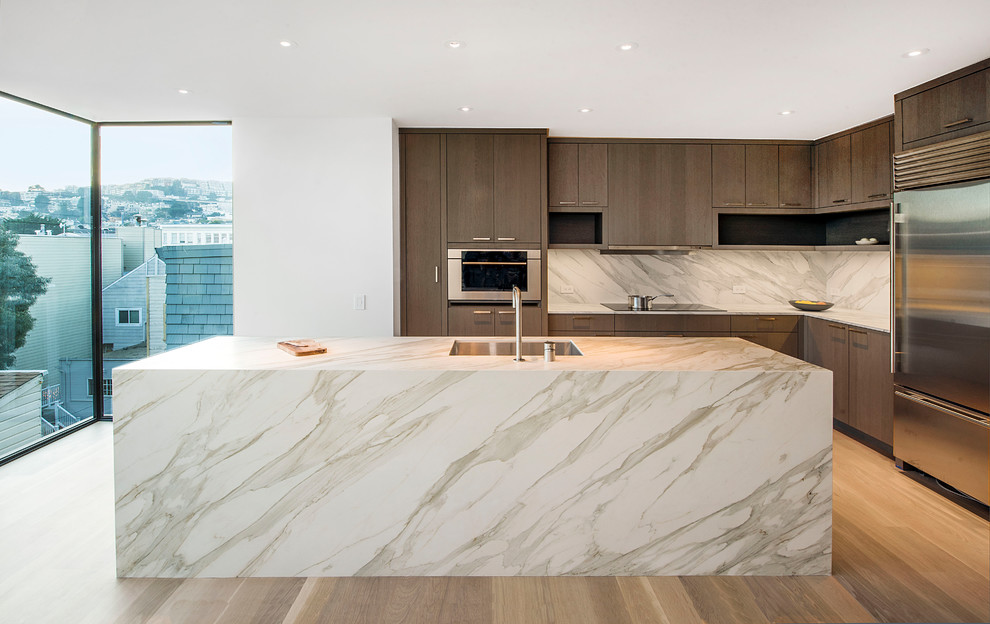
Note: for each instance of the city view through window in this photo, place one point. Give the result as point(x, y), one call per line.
point(166, 238)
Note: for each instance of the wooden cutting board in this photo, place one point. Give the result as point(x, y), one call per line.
point(302, 346)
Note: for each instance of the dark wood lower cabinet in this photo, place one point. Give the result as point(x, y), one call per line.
point(788, 343)
point(859, 359)
point(871, 384)
point(492, 320)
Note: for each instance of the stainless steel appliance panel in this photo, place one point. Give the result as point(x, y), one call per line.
point(490, 274)
point(948, 443)
point(942, 292)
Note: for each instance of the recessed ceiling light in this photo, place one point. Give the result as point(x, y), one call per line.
point(184, 91)
point(786, 112)
point(914, 53)
point(464, 109)
point(455, 44)
point(628, 46)
point(585, 110)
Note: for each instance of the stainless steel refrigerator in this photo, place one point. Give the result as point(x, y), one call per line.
point(940, 256)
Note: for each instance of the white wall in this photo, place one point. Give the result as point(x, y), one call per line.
point(314, 200)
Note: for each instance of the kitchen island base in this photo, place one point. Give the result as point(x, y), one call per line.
point(666, 456)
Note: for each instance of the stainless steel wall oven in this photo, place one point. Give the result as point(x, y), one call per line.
point(490, 274)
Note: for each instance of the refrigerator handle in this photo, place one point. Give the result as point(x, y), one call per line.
point(893, 289)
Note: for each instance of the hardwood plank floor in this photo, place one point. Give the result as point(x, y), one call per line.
point(901, 553)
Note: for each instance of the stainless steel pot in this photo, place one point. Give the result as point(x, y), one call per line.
point(640, 302)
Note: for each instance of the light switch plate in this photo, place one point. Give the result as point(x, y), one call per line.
point(566, 289)
point(738, 290)
point(360, 302)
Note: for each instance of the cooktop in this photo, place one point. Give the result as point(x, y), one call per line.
point(664, 307)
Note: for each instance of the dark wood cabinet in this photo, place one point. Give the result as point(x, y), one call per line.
point(871, 167)
point(761, 176)
point(578, 174)
point(518, 188)
point(863, 390)
point(634, 194)
point(729, 175)
point(946, 108)
point(834, 172)
point(494, 189)
point(871, 387)
point(827, 345)
point(582, 324)
point(659, 194)
point(639, 324)
point(470, 187)
point(505, 321)
point(471, 320)
point(423, 300)
point(778, 332)
point(794, 176)
point(492, 320)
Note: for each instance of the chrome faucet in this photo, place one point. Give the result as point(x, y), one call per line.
point(517, 306)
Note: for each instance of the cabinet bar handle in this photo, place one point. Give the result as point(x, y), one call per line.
point(507, 238)
point(482, 311)
point(436, 274)
point(581, 318)
point(568, 203)
point(506, 311)
point(766, 318)
point(757, 204)
point(838, 201)
point(787, 204)
point(877, 195)
point(594, 203)
point(958, 123)
point(836, 326)
point(482, 238)
point(734, 204)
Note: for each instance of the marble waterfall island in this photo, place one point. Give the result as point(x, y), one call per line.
point(387, 456)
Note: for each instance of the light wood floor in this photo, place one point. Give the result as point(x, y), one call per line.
point(901, 553)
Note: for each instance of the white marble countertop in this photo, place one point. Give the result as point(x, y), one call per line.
point(839, 315)
point(417, 354)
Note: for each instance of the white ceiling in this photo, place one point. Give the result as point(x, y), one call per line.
point(715, 68)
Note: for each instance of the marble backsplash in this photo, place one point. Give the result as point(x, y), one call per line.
point(852, 280)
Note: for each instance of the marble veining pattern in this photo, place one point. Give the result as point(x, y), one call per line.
point(855, 280)
point(334, 472)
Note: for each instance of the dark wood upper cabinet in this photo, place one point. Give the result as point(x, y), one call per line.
point(834, 171)
point(518, 192)
point(761, 176)
point(685, 194)
point(562, 180)
point(593, 174)
point(634, 194)
point(423, 300)
point(870, 157)
point(949, 109)
point(729, 175)
point(470, 187)
point(494, 189)
point(794, 176)
point(578, 174)
point(659, 194)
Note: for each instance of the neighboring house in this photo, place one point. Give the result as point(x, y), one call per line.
point(77, 391)
point(20, 408)
point(132, 308)
point(199, 292)
point(197, 234)
point(139, 244)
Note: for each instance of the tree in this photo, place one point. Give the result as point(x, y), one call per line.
point(176, 210)
point(20, 287)
point(13, 197)
point(42, 201)
point(31, 222)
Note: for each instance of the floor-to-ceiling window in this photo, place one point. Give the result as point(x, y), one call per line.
point(167, 238)
point(46, 253)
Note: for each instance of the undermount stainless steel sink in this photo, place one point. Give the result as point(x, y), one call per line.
point(504, 347)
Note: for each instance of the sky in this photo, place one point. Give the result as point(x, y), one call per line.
point(38, 147)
